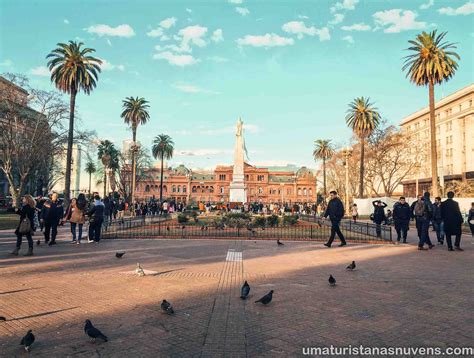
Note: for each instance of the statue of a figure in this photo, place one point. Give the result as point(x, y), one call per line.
point(238, 132)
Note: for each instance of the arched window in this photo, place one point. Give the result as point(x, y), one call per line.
point(304, 191)
point(165, 189)
point(260, 190)
point(193, 189)
point(179, 188)
point(221, 189)
point(173, 188)
point(299, 191)
point(184, 189)
point(211, 189)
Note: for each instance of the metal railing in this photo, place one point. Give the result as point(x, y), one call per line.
point(379, 232)
point(302, 231)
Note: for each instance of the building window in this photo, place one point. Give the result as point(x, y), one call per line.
point(221, 176)
point(221, 189)
point(449, 139)
point(184, 189)
point(260, 177)
point(147, 188)
point(246, 177)
point(304, 191)
point(288, 191)
point(193, 189)
point(211, 189)
point(299, 191)
point(173, 188)
point(260, 190)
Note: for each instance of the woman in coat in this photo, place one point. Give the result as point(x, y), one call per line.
point(25, 225)
point(76, 217)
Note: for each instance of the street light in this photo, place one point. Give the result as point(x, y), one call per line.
point(347, 152)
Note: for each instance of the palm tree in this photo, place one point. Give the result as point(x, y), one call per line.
point(135, 112)
point(431, 62)
point(163, 147)
point(73, 69)
point(107, 154)
point(90, 169)
point(362, 117)
point(323, 149)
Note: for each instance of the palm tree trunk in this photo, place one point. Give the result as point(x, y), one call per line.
point(105, 182)
point(134, 169)
point(90, 184)
point(324, 177)
point(361, 169)
point(434, 151)
point(161, 178)
point(70, 138)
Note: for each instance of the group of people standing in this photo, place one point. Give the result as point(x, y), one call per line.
point(48, 213)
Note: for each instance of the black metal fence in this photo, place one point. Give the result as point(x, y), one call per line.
point(150, 228)
point(379, 232)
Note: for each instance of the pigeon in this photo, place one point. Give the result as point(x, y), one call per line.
point(352, 266)
point(38, 242)
point(139, 271)
point(28, 340)
point(119, 254)
point(166, 307)
point(2, 318)
point(279, 243)
point(93, 332)
point(167, 228)
point(332, 281)
point(266, 299)
point(244, 292)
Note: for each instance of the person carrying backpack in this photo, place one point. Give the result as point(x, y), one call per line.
point(417, 208)
point(424, 219)
point(379, 215)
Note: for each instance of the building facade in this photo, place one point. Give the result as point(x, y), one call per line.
point(265, 185)
point(75, 172)
point(454, 118)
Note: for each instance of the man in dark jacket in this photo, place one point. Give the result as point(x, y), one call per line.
point(437, 220)
point(52, 213)
point(335, 211)
point(379, 215)
point(424, 219)
point(401, 218)
point(452, 217)
point(96, 218)
point(417, 214)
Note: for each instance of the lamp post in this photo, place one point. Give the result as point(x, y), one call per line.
point(347, 152)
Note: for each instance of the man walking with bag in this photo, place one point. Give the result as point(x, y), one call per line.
point(335, 211)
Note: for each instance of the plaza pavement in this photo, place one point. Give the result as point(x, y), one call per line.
point(398, 296)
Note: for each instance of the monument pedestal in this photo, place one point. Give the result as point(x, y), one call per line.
point(237, 193)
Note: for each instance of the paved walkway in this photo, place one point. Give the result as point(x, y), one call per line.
point(398, 296)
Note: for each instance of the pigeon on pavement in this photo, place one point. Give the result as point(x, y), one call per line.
point(93, 332)
point(352, 266)
point(166, 307)
point(266, 299)
point(279, 243)
point(139, 271)
point(28, 340)
point(119, 254)
point(244, 292)
point(332, 281)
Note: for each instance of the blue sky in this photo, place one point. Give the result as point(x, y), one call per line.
point(288, 68)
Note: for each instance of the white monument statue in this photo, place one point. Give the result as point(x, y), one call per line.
point(237, 186)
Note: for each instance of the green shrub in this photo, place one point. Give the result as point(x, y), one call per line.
point(243, 216)
point(290, 220)
point(272, 220)
point(183, 219)
point(259, 221)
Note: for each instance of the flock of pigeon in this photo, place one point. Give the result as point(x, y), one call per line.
point(94, 333)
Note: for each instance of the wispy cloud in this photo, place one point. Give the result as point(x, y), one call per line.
point(107, 66)
point(348, 38)
point(344, 5)
point(169, 22)
point(66, 21)
point(218, 59)
point(203, 152)
point(176, 60)
point(242, 10)
point(42, 71)
point(427, 5)
point(106, 30)
point(266, 41)
point(217, 36)
point(6, 63)
point(356, 27)
point(299, 29)
point(397, 20)
point(338, 18)
point(466, 9)
point(236, 2)
point(188, 88)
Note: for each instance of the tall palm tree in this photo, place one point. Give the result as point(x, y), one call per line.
point(362, 117)
point(431, 62)
point(72, 70)
point(323, 150)
point(90, 169)
point(107, 154)
point(163, 147)
point(135, 112)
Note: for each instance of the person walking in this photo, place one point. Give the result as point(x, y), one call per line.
point(379, 215)
point(120, 210)
point(96, 218)
point(437, 220)
point(401, 218)
point(417, 210)
point(335, 212)
point(355, 212)
point(470, 219)
point(76, 218)
point(52, 214)
point(424, 219)
point(452, 217)
point(26, 224)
